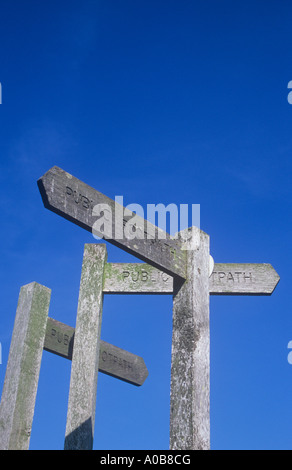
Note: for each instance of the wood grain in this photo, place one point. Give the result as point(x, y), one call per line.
point(85, 358)
point(190, 358)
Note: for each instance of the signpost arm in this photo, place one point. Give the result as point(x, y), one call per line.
point(83, 205)
point(22, 373)
point(190, 364)
point(113, 361)
point(85, 359)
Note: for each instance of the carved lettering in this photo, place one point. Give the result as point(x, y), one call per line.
point(144, 276)
point(79, 198)
point(165, 277)
point(104, 356)
point(116, 361)
point(85, 202)
point(236, 277)
point(245, 276)
point(60, 337)
point(135, 277)
point(69, 191)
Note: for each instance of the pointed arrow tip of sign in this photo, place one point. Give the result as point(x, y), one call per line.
point(276, 278)
point(43, 192)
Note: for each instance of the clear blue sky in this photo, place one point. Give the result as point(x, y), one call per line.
point(158, 101)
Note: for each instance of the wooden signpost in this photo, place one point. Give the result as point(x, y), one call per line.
point(170, 269)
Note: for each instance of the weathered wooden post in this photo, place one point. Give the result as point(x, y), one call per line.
point(85, 359)
point(24, 361)
point(190, 361)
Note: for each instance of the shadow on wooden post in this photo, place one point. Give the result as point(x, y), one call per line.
point(81, 438)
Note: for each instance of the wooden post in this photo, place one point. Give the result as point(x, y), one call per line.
point(190, 365)
point(85, 359)
point(22, 373)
